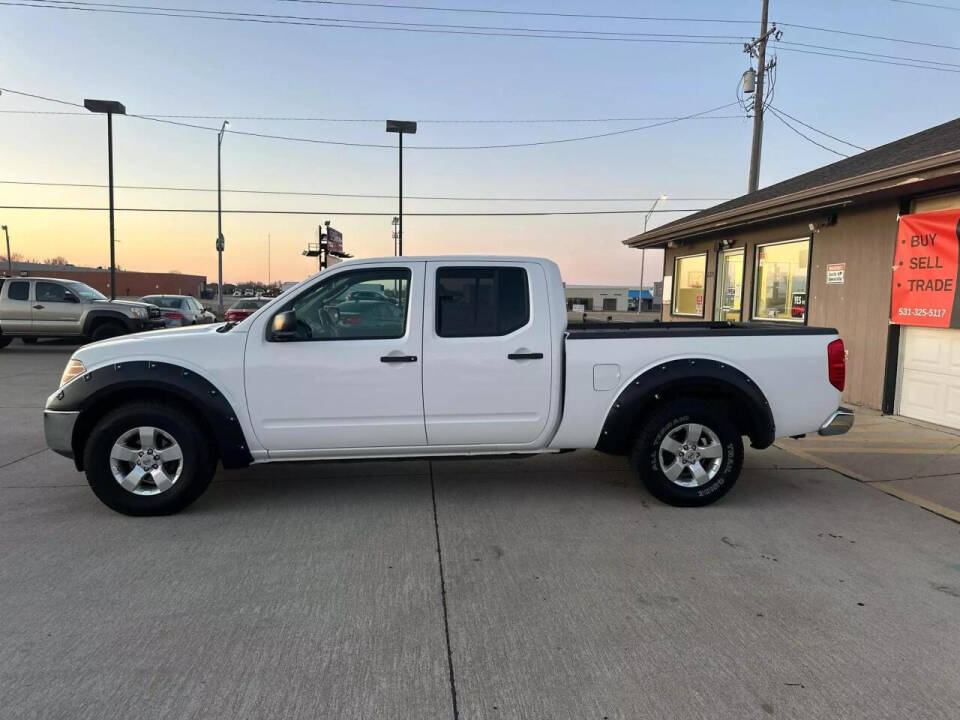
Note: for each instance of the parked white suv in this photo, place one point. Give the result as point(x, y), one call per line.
point(461, 356)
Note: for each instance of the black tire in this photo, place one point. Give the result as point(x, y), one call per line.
point(199, 461)
point(650, 455)
point(107, 330)
point(29, 340)
point(5, 340)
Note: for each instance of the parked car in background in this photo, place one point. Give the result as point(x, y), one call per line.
point(270, 292)
point(179, 310)
point(475, 358)
point(32, 308)
point(237, 293)
point(242, 309)
point(249, 292)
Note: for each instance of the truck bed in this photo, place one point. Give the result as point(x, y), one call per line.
point(610, 331)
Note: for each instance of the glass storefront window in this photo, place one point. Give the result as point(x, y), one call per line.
point(780, 281)
point(688, 277)
point(729, 286)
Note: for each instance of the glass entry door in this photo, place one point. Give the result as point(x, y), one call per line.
point(729, 286)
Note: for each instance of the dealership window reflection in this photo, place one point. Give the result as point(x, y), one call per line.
point(688, 277)
point(729, 285)
point(780, 290)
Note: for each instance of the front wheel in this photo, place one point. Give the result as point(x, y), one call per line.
point(689, 453)
point(148, 458)
point(107, 330)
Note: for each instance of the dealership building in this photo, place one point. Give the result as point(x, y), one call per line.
point(825, 248)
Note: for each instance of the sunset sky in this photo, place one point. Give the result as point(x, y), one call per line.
point(179, 66)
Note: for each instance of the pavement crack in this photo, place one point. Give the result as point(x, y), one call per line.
point(443, 595)
point(14, 462)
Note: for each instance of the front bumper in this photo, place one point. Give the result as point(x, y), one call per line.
point(839, 422)
point(58, 430)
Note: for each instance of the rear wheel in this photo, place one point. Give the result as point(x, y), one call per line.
point(148, 459)
point(689, 453)
point(107, 330)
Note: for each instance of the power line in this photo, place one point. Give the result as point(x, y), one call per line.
point(805, 137)
point(461, 121)
point(865, 59)
point(543, 213)
point(71, 4)
point(868, 54)
point(532, 13)
point(811, 127)
point(926, 4)
point(220, 16)
point(851, 33)
point(357, 195)
point(383, 145)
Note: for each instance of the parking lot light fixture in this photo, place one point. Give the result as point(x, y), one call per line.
point(401, 127)
point(109, 108)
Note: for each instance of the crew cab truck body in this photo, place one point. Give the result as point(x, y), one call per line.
point(37, 307)
point(446, 356)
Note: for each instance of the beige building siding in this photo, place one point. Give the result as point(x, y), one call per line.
point(863, 238)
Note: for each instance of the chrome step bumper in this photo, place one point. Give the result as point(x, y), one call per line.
point(839, 422)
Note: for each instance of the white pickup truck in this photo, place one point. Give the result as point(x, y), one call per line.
point(436, 356)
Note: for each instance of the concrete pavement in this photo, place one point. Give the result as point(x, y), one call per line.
point(308, 590)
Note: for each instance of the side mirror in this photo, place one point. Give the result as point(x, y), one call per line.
point(333, 312)
point(284, 327)
point(70, 298)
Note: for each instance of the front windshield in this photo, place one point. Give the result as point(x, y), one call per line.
point(85, 292)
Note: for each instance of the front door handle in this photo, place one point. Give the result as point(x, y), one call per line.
point(38, 307)
point(398, 358)
point(525, 356)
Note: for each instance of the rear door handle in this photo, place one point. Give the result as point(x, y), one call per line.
point(398, 358)
point(38, 307)
point(525, 356)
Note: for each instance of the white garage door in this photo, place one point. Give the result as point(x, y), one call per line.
point(930, 375)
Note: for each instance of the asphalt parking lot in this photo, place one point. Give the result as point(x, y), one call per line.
point(550, 587)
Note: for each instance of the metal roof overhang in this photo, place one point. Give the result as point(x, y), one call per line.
point(918, 176)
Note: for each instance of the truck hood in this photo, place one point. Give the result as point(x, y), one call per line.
point(167, 343)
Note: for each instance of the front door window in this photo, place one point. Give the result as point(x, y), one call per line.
point(729, 286)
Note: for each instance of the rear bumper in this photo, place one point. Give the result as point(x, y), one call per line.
point(58, 430)
point(839, 422)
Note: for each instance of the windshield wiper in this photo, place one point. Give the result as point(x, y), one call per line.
point(227, 327)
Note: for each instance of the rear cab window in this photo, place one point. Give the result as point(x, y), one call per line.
point(19, 290)
point(481, 301)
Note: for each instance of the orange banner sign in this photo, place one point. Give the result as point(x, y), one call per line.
point(924, 287)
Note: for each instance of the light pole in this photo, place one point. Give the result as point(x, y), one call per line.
point(643, 251)
point(401, 127)
point(220, 243)
point(110, 108)
point(9, 257)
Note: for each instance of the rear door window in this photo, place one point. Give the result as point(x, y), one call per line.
point(19, 290)
point(481, 301)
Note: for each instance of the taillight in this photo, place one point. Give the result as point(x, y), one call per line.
point(352, 320)
point(837, 364)
point(174, 316)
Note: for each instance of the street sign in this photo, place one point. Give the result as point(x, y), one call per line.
point(334, 240)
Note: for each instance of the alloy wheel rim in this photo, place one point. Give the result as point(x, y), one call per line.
point(146, 460)
point(690, 455)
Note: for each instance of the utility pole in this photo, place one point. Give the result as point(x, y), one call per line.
point(220, 241)
point(9, 257)
point(758, 48)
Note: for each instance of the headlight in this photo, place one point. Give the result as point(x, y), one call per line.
point(139, 313)
point(73, 368)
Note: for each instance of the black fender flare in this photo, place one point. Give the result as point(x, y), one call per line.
point(690, 377)
point(99, 390)
point(129, 324)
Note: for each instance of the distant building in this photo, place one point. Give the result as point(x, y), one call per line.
point(129, 283)
point(609, 298)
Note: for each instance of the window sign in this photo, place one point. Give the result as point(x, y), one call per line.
point(688, 284)
point(780, 281)
point(924, 286)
